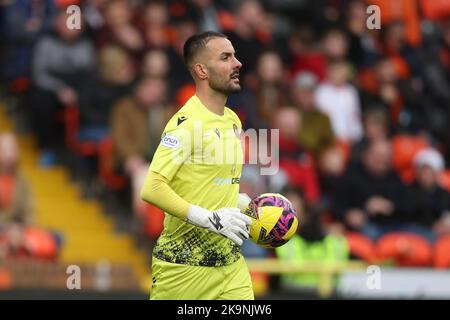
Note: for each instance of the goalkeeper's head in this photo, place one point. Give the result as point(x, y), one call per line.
point(211, 60)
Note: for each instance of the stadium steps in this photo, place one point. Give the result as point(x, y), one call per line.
point(88, 234)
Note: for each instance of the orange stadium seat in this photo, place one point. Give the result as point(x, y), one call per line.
point(153, 221)
point(444, 180)
point(183, 94)
point(441, 253)
point(40, 243)
point(70, 117)
point(106, 170)
point(404, 149)
point(405, 248)
point(361, 246)
point(404, 10)
point(435, 9)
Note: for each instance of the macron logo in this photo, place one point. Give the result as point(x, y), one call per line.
point(181, 120)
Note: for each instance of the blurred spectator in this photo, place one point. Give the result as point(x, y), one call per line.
point(407, 58)
point(22, 22)
point(102, 89)
point(207, 15)
point(340, 101)
point(376, 127)
point(155, 64)
point(335, 45)
point(362, 41)
point(60, 64)
point(16, 209)
point(157, 33)
point(312, 243)
point(304, 54)
point(316, 133)
point(378, 198)
point(119, 28)
point(430, 204)
point(249, 35)
point(436, 71)
point(93, 15)
point(178, 74)
point(137, 123)
point(269, 89)
point(252, 182)
point(400, 97)
point(15, 197)
point(294, 160)
point(331, 165)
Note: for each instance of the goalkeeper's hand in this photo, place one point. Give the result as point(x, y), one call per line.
point(228, 222)
point(243, 201)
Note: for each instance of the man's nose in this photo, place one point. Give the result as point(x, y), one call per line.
point(237, 63)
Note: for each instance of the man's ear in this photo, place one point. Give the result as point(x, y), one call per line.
point(201, 71)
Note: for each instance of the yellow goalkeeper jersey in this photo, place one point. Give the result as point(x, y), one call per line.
point(200, 154)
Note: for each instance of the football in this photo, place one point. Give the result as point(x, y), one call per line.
point(274, 218)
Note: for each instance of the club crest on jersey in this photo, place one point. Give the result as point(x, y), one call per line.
point(170, 141)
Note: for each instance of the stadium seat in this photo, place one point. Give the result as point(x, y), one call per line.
point(19, 85)
point(361, 246)
point(406, 249)
point(403, 10)
point(153, 221)
point(40, 243)
point(404, 149)
point(184, 94)
point(106, 168)
point(435, 9)
point(444, 180)
point(71, 120)
point(260, 281)
point(441, 253)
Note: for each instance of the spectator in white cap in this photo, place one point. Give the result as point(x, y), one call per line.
point(429, 203)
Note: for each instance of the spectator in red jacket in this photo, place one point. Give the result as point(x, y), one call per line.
point(294, 160)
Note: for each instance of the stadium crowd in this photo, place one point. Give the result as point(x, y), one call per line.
point(363, 113)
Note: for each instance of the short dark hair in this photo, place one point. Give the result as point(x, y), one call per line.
point(197, 42)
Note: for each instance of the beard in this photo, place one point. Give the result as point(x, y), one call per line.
point(223, 84)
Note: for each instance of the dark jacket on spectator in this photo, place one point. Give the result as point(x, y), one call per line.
point(426, 206)
point(358, 185)
point(97, 99)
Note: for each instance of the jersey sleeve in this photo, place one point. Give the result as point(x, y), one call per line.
point(175, 147)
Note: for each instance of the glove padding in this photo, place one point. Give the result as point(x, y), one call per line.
point(243, 201)
point(228, 222)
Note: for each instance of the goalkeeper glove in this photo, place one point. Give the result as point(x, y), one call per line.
point(243, 201)
point(228, 222)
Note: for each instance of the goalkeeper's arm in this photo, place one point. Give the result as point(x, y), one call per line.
point(229, 222)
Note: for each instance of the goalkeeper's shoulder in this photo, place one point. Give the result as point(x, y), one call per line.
point(181, 122)
point(234, 118)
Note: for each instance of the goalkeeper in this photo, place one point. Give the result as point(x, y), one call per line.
point(194, 178)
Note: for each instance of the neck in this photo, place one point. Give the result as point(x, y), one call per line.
point(213, 100)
